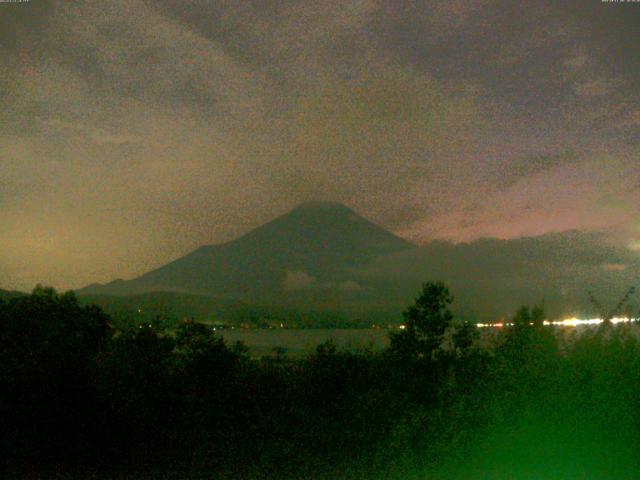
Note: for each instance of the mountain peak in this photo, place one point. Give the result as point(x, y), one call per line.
point(325, 241)
point(321, 204)
point(327, 223)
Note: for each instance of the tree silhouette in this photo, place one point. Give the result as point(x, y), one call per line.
point(48, 344)
point(203, 356)
point(463, 337)
point(425, 322)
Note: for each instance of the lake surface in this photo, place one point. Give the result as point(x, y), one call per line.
point(299, 342)
point(304, 341)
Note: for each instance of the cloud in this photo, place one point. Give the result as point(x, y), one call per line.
point(577, 62)
point(596, 88)
point(615, 267)
point(530, 166)
point(294, 281)
point(135, 131)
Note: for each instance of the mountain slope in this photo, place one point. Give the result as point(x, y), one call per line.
point(9, 294)
point(316, 246)
point(321, 257)
point(491, 278)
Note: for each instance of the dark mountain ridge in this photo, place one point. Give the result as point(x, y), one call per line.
point(325, 257)
point(317, 245)
point(9, 294)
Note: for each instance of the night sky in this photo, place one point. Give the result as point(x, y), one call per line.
point(132, 132)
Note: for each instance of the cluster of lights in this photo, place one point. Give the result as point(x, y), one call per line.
point(569, 322)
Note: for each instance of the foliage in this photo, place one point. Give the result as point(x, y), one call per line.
point(425, 322)
point(443, 402)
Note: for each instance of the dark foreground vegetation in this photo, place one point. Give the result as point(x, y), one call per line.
point(80, 398)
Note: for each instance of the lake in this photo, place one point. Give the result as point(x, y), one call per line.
point(299, 342)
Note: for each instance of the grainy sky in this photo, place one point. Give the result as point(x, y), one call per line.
point(134, 131)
